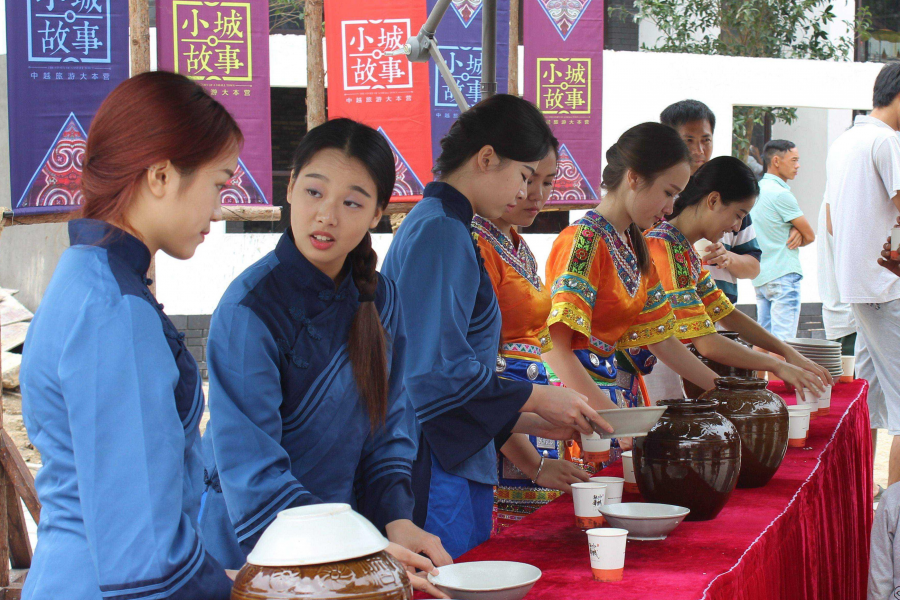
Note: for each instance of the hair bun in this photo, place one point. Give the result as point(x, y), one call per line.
point(612, 153)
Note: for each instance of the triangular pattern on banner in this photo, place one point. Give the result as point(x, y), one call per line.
point(407, 183)
point(564, 14)
point(57, 181)
point(466, 10)
point(570, 186)
point(242, 188)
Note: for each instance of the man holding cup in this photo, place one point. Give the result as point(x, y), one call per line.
point(736, 255)
point(863, 193)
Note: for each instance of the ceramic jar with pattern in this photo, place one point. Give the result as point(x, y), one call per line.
point(763, 422)
point(690, 458)
point(374, 577)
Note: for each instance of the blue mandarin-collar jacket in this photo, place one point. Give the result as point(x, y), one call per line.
point(287, 423)
point(112, 399)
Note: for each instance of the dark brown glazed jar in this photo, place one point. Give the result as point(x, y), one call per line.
point(690, 458)
point(374, 577)
point(693, 391)
point(762, 420)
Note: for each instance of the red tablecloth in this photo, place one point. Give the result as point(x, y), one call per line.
point(803, 536)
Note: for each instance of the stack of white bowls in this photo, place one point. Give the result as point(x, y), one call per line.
point(821, 352)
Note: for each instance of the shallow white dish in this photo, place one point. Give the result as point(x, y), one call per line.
point(316, 534)
point(645, 521)
point(486, 580)
point(811, 343)
point(630, 422)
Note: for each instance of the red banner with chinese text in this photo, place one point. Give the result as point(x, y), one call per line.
point(385, 92)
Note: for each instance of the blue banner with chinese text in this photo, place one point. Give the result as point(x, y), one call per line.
point(459, 38)
point(63, 58)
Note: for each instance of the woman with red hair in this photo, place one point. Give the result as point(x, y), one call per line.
point(110, 395)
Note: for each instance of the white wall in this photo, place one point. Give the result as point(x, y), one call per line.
point(637, 86)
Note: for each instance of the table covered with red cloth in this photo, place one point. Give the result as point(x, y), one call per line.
point(805, 535)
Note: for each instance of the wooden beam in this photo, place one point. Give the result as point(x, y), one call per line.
point(315, 63)
point(13, 465)
point(19, 544)
point(394, 208)
point(230, 212)
point(139, 34)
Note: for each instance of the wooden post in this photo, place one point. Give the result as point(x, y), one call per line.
point(315, 63)
point(139, 33)
point(513, 87)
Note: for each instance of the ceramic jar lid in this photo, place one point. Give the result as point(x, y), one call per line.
point(316, 534)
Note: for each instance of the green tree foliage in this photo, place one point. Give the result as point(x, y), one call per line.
point(286, 14)
point(752, 28)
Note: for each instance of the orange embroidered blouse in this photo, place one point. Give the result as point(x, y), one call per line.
point(524, 300)
point(599, 292)
point(697, 302)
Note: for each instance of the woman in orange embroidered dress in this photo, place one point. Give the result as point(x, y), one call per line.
point(605, 292)
point(531, 473)
point(718, 197)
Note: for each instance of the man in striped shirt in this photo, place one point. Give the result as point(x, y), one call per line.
point(736, 255)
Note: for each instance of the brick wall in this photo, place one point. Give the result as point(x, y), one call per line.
point(620, 30)
point(195, 329)
point(810, 319)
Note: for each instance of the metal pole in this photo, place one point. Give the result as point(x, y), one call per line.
point(434, 19)
point(489, 48)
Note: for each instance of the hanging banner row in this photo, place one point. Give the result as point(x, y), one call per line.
point(563, 77)
point(65, 56)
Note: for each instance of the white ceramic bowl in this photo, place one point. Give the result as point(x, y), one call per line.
point(630, 422)
point(645, 521)
point(487, 580)
point(316, 534)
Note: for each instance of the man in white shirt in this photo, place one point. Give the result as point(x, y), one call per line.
point(863, 192)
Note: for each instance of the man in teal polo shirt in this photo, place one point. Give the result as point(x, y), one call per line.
point(781, 229)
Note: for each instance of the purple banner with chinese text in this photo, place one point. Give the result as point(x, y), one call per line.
point(63, 58)
point(459, 37)
point(564, 78)
point(224, 46)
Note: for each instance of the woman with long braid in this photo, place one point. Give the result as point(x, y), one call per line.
point(306, 363)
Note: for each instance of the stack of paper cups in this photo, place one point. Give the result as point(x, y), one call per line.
point(607, 548)
point(799, 428)
point(596, 449)
point(588, 497)
point(614, 487)
point(825, 401)
point(628, 472)
point(811, 400)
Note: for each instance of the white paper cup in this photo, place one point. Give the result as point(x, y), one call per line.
point(588, 497)
point(596, 449)
point(849, 365)
point(825, 401)
point(799, 428)
point(607, 550)
point(812, 401)
point(700, 247)
point(895, 243)
point(628, 472)
point(614, 487)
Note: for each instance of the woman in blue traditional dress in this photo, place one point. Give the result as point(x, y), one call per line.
point(111, 397)
point(465, 410)
point(306, 359)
